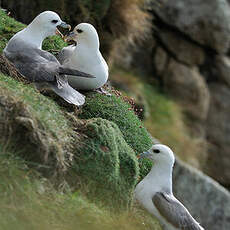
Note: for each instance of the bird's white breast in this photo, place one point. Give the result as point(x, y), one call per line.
point(91, 62)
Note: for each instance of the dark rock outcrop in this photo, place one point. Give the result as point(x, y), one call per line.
point(218, 133)
point(188, 87)
point(205, 21)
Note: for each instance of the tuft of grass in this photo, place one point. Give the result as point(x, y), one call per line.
point(53, 44)
point(107, 163)
point(35, 124)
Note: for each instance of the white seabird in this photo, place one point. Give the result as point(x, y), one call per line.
point(24, 50)
point(86, 57)
point(155, 194)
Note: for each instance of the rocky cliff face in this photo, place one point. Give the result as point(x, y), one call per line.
point(189, 55)
point(208, 202)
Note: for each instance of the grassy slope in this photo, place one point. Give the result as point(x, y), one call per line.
point(28, 201)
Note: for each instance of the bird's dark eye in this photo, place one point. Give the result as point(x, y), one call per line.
point(156, 151)
point(54, 21)
point(79, 31)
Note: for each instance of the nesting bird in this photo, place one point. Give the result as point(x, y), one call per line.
point(86, 57)
point(24, 50)
point(155, 193)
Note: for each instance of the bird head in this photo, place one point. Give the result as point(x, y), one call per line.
point(84, 33)
point(47, 22)
point(159, 154)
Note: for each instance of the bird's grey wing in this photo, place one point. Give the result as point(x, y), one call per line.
point(174, 212)
point(33, 66)
point(65, 54)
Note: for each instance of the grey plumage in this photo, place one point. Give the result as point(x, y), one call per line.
point(174, 212)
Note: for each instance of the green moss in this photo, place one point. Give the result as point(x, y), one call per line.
point(8, 27)
point(107, 163)
point(54, 43)
point(116, 110)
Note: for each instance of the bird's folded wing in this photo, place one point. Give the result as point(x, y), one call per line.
point(174, 212)
point(33, 66)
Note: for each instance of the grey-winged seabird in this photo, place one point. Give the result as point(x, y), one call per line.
point(86, 57)
point(24, 50)
point(155, 194)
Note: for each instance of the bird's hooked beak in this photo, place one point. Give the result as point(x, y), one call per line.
point(70, 37)
point(145, 154)
point(65, 26)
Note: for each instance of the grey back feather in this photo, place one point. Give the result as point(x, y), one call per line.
point(35, 64)
point(174, 212)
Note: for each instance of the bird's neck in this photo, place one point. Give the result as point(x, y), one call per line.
point(89, 43)
point(34, 36)
point(161, 175)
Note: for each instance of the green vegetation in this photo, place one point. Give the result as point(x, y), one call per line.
point(8, 27)
point(28, 201)
point(60, 172)
point(116, 110)
point(35, 125)
point(108, 163)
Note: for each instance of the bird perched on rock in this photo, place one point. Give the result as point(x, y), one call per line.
point(24, 50)
point(155, 194)
point(86, 57)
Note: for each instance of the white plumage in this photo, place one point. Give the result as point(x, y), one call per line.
point(86, 57)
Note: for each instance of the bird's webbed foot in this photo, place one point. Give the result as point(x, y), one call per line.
point(103, 92)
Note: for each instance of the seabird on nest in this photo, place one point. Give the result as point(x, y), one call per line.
point(24, 50)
